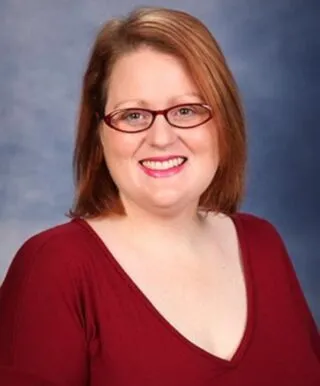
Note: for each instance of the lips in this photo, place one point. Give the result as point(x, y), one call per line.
point(162, 159)
point(163, 163)
point(160, 169)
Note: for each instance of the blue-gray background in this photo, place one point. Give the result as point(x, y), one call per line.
point(273, 48)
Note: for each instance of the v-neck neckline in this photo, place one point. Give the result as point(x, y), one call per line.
point(247, 272)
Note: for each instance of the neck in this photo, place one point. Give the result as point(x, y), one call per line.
point(167, 226)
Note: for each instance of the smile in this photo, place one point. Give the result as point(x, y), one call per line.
point(163, 165)
point(165, 168)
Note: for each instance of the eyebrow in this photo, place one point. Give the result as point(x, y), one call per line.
point(144, 103)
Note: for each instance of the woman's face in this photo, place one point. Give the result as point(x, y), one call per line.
point(149, 79)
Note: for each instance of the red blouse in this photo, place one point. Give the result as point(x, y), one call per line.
point(71, 316)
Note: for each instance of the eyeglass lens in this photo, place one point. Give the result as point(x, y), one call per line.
point(180, 116)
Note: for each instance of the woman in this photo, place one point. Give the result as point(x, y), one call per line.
point(157, 279)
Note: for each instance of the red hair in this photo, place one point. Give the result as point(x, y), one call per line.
point(180, 34)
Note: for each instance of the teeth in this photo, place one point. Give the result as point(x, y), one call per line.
point(157, 165)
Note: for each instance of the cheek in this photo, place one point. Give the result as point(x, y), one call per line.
point(117, 145)
point(205, 142)
point(119, 148)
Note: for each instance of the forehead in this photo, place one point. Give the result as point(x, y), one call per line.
point(150, 75)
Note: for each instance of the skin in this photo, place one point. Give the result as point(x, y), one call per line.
point(151, 79)
point(179, 259)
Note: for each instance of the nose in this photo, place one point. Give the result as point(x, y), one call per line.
point(161, 134)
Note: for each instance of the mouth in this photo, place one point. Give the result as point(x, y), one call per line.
point(163, 165)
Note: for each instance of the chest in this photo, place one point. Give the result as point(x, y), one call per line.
point(204, 303)
point(171, 322)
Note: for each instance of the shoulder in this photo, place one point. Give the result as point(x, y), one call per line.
point(259, 228)
point(260, 236)
point(247, 228)
point(63, 235)
point(66, 238)
point(54, 252)
point(252, 221)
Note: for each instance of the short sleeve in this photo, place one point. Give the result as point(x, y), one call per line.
point(41, 319)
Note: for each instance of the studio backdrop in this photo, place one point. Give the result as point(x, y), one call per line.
point(273, 48)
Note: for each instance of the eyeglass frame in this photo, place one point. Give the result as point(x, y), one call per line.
point(107, 118)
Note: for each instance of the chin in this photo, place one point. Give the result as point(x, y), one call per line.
point(171, 201)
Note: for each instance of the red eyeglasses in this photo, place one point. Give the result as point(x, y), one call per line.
point(135, 120)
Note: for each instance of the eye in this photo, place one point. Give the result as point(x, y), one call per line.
point(129, 118)
point(131, 115)
point(185, 111)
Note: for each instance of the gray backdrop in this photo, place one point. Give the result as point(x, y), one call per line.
point(273, 48)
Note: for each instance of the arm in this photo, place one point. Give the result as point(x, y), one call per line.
point(41, 325)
